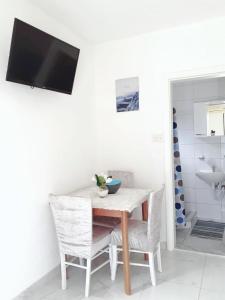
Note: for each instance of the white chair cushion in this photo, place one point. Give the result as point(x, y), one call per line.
point(137, 234)
point(101, 238)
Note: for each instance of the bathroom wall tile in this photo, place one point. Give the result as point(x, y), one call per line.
point(190, 207)
point(222, 139)
point(205, 90)
point(207, 150)
point(208, 212)
point(206, 196)
point(223, 164)
point(185, 122)
point(223, 214)
point(212, 150)
point(207, 140)
point(202, 165)
point(221, 87)
point(188, 180)
point(186, 137)
point(187, 151)
point(184, 107)
point(199, 150)
point(207, 164)
point(183, 92)
point(188, 165)
point(201, 184)
point(222, 150)
point(189, 195)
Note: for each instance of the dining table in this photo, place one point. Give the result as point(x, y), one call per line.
point(119, 205)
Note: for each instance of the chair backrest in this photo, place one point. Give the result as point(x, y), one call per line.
point(154, 216)
point(73, 222)
point(126, 177)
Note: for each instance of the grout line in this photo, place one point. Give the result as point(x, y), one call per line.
point(202, 276)
point(201, 253)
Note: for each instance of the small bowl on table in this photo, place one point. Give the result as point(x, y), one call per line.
point(113, 186)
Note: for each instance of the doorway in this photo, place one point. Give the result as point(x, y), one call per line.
point(201, 203)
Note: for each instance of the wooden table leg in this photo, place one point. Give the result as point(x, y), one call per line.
point(145, 218)
point(126, 258)
point(145, 211)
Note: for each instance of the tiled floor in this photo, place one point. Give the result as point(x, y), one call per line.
point(186, 276)
point(187, 242)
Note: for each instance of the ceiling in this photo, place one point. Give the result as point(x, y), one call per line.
point(104, 20)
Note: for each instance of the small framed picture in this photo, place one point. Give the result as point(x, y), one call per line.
point(127, 94)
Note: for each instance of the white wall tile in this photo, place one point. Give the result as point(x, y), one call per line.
point(208, 140)
point(188, 165)
point(186, 137)
point(190, 207)
point(184, 107)
point(212, 150)
point(189, 195)
point(221, 87)
point(188, 180)
point(201, 184)
point(183, 92)
point(207, 89)
point(208, 212)
point(207, 164)
point(199, 150)
point(187, 151)
point(207, 150)
point(185, 122)
point(206, 196)
point(222, 139)
point(223, 150)
point(223, 215)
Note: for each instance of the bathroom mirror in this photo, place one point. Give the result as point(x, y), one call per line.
point(209, 118)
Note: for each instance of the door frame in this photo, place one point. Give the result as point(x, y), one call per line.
point(168, 79)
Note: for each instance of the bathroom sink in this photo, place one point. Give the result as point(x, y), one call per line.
point(211, 177)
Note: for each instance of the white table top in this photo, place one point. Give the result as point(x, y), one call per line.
point(126, 199)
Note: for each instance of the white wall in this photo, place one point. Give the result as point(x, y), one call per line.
point(199, 196)
point(126, 140)
point(45, 147)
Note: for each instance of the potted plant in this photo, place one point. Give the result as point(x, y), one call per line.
point(101, 181)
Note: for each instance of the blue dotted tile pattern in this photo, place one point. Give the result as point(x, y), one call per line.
point(179, 193)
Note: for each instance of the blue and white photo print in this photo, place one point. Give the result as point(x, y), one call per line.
point(127, 94)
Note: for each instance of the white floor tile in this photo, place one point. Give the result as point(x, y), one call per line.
point(169, 290)
point(209, 295)
point(185, 276)
point(214, 274)
point(183, 268)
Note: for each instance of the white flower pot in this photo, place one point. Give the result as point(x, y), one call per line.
point(103, 192)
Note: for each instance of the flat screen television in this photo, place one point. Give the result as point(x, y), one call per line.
point(40, 60)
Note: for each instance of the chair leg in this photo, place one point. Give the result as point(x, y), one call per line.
point(114, 262)
point(159, 261)
point(152, 268)
point(63, 271)
point(110, 259)
point(88, 275)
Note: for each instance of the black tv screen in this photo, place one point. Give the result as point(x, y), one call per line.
point(40, 60)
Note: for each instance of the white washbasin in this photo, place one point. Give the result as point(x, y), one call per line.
point(211, 177)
